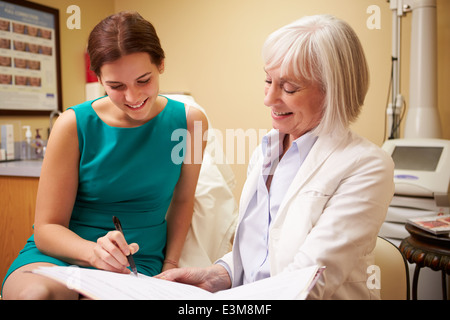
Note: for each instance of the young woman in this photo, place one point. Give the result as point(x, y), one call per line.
point(113, 156)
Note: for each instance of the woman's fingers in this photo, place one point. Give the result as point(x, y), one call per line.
point(106, 261)
point(213, 278)
point(112, 251)
point(134, 247)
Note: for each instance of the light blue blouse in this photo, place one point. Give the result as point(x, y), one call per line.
point(253, 231)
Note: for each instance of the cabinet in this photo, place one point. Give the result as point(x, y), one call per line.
point(17, 205)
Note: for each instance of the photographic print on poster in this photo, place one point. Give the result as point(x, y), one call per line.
point(30, 72)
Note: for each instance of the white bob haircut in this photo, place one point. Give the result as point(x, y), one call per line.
point(325, 50)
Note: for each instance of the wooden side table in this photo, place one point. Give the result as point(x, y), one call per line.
point(426, 250)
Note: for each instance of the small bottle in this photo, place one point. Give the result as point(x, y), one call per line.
point(26, 144)
point(39, 143)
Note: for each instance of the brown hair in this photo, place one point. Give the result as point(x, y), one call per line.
point(122, 34)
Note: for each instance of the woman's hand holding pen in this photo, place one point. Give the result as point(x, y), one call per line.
point(111, 251)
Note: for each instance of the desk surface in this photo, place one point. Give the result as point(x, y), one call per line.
point(440, 240)
point(21, 168)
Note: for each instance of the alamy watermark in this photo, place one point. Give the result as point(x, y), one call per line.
point(374, 20)
point(235, 146)
point(374, 277)
point(74, 20)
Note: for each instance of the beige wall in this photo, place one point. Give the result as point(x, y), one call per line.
point(213, 51)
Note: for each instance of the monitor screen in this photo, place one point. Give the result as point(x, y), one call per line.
point(416, 158)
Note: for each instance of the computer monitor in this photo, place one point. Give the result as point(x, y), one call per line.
point(422, 166)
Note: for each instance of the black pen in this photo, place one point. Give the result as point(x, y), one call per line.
point(130, 256)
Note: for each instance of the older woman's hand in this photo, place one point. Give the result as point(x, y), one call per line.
point(213, 278)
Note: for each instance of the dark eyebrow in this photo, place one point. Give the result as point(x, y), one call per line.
point(140, 77)
point(144, 75)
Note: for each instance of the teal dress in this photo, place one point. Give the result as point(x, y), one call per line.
point(125, 172)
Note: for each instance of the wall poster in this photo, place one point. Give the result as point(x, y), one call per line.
point(30, 72)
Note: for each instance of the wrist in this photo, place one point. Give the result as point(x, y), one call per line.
point(90, 258)
point(219, 278)
point(171, 262)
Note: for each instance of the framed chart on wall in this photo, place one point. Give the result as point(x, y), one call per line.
point(30, 65)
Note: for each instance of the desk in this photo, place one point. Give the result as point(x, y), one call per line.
point(24, 168)
point(426, 250)
point(18, 188)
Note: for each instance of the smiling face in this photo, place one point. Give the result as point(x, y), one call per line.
point(132, 84)
point(296, 106)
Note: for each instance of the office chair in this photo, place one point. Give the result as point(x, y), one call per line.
point(394, 271)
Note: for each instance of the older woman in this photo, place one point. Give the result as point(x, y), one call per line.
point(316, 193)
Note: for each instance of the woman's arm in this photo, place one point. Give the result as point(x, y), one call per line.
point(56, 195)
point(180, 212)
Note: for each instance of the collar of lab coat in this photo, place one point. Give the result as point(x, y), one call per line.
point(320, 152)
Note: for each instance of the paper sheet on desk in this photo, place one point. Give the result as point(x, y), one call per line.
point(103, 285)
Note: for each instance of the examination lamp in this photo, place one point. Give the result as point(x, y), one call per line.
point(422, 119)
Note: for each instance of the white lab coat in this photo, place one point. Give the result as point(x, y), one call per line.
point(330, 215)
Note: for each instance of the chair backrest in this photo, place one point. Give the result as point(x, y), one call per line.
point(394, 271)
point(215, 213)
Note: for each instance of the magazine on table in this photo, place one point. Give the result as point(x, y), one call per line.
point(438, 225)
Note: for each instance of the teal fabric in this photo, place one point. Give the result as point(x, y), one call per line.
point(129, 173)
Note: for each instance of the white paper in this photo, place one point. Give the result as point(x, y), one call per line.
point(103, 285)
